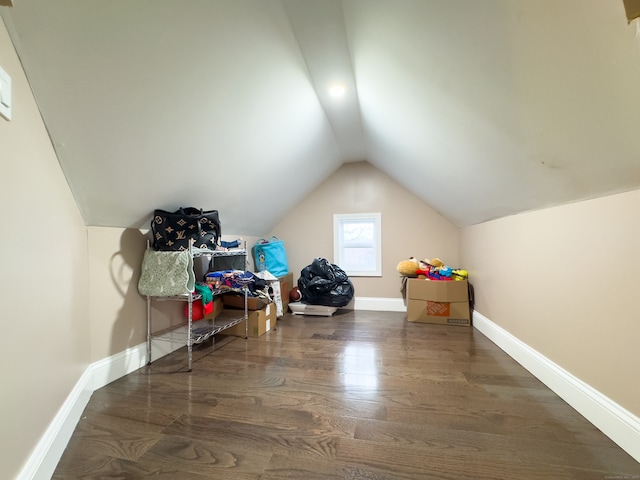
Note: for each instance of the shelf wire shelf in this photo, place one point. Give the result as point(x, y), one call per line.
point(196, 332)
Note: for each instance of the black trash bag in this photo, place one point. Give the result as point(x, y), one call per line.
point(323, 283)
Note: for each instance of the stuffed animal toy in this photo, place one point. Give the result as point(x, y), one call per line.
point(460, 274)
point(435, 262)
point(435, 269)
point(408, 268)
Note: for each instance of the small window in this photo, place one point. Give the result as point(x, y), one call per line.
point(357, 244)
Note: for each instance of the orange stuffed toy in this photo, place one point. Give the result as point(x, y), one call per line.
point(408, 268)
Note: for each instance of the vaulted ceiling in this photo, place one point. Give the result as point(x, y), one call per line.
point(481, 108)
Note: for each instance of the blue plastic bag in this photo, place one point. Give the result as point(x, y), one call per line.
point(271, 255)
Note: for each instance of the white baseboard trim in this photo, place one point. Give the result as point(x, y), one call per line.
point(112, 368)
point(617, 423)
point(47, 453)
point(379, 304)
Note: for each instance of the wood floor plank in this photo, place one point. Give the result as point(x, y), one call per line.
point(100, 466)
point(116, 437)
point(410, 461)
point(318, 439)
point(281, 468)
point(216, 458)
point(356, 396)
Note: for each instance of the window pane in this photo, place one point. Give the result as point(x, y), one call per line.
point(357, 243)
point(362, 259)
point(357, 234)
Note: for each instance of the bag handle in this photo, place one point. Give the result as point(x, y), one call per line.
point(191, 211)
point(264, 241)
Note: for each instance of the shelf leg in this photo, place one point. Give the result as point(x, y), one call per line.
point(246, 316)
point(189, 334)
point(148, 330)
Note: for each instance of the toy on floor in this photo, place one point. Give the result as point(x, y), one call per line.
point(295, 295)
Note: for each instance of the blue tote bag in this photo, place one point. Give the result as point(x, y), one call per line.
point(271, 255)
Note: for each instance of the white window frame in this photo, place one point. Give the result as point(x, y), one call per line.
point(339, 247)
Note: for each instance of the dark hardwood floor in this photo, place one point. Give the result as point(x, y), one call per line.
point(360, 395)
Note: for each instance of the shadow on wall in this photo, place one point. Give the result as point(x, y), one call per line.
point(129, 328)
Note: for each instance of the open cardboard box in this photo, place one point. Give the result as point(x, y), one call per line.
point(259, 322)
point(433, 301)
point(237, 301)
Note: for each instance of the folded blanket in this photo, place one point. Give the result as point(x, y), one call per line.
point(166, 273)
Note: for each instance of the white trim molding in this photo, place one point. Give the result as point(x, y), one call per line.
point(112, 368)
point(616, 422)
point(47, 453)
point(379, 304)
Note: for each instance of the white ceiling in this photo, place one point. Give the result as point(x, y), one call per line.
point(481, 108)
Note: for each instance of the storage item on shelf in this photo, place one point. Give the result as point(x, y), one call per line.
point(237, 301)
point(185, 227)
point(166, 273)
point(271, 255)
point(228, 260)
point(211, 261)
point(192, 332)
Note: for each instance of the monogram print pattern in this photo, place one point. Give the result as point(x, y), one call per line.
point(176, 230)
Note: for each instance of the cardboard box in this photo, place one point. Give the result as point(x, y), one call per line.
point(432, 301)
point(237, 301)
point(286, 284)
point(217, 309)
point(256, 303)
point(260, 322)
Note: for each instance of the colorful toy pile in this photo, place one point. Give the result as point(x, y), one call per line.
point(434, 269)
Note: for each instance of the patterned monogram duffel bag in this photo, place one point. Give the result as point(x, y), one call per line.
point(174, 230)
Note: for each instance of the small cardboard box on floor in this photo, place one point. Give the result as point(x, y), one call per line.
point(432, 301)
point(259, 322)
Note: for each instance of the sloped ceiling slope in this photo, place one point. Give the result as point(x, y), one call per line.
point(481, 108)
